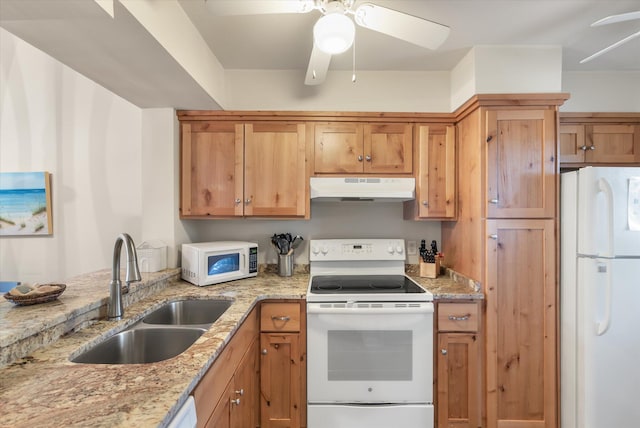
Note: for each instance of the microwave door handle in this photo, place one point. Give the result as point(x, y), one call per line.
point(244, 262)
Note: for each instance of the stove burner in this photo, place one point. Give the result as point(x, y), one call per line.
point(329, 287)
point(386, 286)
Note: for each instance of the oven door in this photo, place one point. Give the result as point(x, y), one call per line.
point(370, 352)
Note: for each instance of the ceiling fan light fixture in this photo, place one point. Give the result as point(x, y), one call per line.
point(334, 33)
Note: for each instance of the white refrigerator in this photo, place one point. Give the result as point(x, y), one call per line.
point(600, 298)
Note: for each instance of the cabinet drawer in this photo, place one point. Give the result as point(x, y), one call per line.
point(280, 317)
point(458, 317)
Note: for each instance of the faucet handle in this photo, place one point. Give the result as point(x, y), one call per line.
point(125, 288)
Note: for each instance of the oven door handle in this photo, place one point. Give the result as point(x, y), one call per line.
point(425, 308)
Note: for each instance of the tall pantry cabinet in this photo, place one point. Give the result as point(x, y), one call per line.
point(505, 236)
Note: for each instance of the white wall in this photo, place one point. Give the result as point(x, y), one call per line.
point(53, 119)
point(602, 91)
point(372, 91)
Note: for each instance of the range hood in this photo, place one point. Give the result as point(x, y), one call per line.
point(374, 189)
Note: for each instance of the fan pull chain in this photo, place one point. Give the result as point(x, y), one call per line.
point(353, 76)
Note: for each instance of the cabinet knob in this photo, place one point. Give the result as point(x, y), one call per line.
point(360, 158)
point(583, 148)
point(368, 158)
point(493, 236)
point(240, 392)
point(425, 203)
point(237, 201)
point(592, 147)
point(247, 201)
point(235, 402)
point(494, 201)
point(443, 351)
point(264, 351)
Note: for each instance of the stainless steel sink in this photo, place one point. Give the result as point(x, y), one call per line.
point(188, 312)
point(137, 346)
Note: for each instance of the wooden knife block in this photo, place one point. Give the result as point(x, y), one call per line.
point(430, 270)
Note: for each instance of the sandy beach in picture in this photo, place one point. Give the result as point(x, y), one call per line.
point(25, 204)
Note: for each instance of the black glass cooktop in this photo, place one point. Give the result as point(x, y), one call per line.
point(360, 284)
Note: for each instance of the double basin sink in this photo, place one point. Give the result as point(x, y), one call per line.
point(164, 333)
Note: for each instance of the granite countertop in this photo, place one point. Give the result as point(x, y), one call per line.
point(39, 386)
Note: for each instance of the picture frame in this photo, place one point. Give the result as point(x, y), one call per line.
point(25, 204)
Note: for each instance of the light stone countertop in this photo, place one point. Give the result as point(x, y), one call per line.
point(44, 388)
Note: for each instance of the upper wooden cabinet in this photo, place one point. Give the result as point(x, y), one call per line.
point(435, 171)
point(521, 163)
point(363, 148)
point(597, 139)
point(233, 169)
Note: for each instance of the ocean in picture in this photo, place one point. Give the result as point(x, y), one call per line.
point(24, 203)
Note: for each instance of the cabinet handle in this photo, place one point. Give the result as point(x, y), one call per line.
point(240, 392)
point(493, 236)
point(443, 351)
point(494, 201)
point(280, 318)
point(264, 351)
point(459, 318)
point(583, 148)
point(237, 201)
point(235, 402)
point(247, 201)
point(360, 158)
point(425, 203)
point(368, 158)
point(592, 147)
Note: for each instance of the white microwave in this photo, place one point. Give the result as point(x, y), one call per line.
point(209, 263)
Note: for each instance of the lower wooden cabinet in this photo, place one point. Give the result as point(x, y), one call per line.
point(238, 405)
point(227, 395)
point(282, 365)
point(458, 378)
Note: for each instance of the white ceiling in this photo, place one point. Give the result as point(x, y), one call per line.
point(122, 56)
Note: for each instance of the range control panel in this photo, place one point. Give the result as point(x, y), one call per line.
point(356, 249)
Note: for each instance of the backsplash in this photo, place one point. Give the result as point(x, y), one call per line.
point(328, 220)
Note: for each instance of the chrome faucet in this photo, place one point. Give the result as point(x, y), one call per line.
point(115, 309)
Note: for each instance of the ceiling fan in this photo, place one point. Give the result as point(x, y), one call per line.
point(334, 31)
point(612, 20)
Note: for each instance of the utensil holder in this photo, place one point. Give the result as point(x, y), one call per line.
point(285, 264)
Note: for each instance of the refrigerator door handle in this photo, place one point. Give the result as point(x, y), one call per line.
point(603, 325)
point(605, 187)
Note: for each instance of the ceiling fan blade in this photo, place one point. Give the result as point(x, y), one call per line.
point(318, 66)
point(617, 18)
point(253, 7)
point(613, 46)
point(396, 24)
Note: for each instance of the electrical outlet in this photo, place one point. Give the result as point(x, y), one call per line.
point(412, 248)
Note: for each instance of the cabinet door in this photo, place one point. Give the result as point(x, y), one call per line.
point(458, 381)
point(244, 413)
point(211, 169)
point(388, 148)
point(280, 371)
point(436, 175)
point(521, 163)
point(521, 324)
point(337, 148)
point(221, 416)
point(275, 170)
point(613, 144)
point(572, 143)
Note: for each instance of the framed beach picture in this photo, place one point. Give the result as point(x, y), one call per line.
point(25, 204)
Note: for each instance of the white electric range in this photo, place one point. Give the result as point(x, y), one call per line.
point(369, 337)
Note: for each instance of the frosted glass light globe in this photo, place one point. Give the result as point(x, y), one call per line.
point(334, 33)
